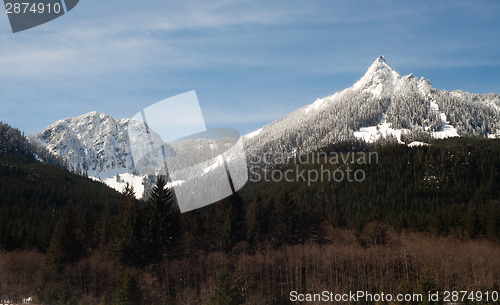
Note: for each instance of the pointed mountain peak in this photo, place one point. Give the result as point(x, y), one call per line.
point(379, 78)
point(379, 63)
point(380, 59)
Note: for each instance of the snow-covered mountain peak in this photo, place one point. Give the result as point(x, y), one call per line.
point(92, 142)
point(86, 118)
point(382, 105)
point(379, 80)
point(425, 87)
point(379, 63)
point(380, 59)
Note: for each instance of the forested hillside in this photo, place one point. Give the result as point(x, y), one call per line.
point(425, 216)
point(449, 185)
point(33, 193)
point(14, 144)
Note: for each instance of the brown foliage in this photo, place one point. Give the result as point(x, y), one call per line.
point(342, 265)
point(20, 273)
point(339, 265)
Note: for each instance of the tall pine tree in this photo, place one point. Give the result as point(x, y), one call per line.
point(130, 246)
point(65, 247)
point(164, 221)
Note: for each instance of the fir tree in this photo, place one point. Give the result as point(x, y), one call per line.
point(130, 248)
point(64, 245)
point(403, 289)
point(164, 220)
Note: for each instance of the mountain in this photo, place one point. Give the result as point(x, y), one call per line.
point(96, 145)
point(103, 148)
point(91, 143)
point(383, 105)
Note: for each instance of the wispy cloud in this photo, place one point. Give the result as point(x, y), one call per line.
point(123, 38)
point(117, 53)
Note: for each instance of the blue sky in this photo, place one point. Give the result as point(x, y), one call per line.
point(250, 62)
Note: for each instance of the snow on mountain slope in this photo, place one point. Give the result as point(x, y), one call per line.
point(380, 80)
point(417, 143)
point(381, 131)
point(446, 130)
point(99, 146)
point(118, 183)
point(381, 104)
point(253, 133)
point(94, 144)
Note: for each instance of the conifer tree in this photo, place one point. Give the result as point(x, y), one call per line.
point(130, 247)
point(104, 229)
point(403, 289)
point(164, 220)
point(64, 245)
point(472, 222)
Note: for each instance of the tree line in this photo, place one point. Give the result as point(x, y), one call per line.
point(424, 217)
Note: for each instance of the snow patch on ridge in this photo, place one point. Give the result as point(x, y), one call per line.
point(418, 143)
point(135, 181)
point(119, 184)
point(318, 103)
point(447, 130)
point(382, 130)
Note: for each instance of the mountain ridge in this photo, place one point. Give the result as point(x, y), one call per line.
point(382, 95)
point(381, 106)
